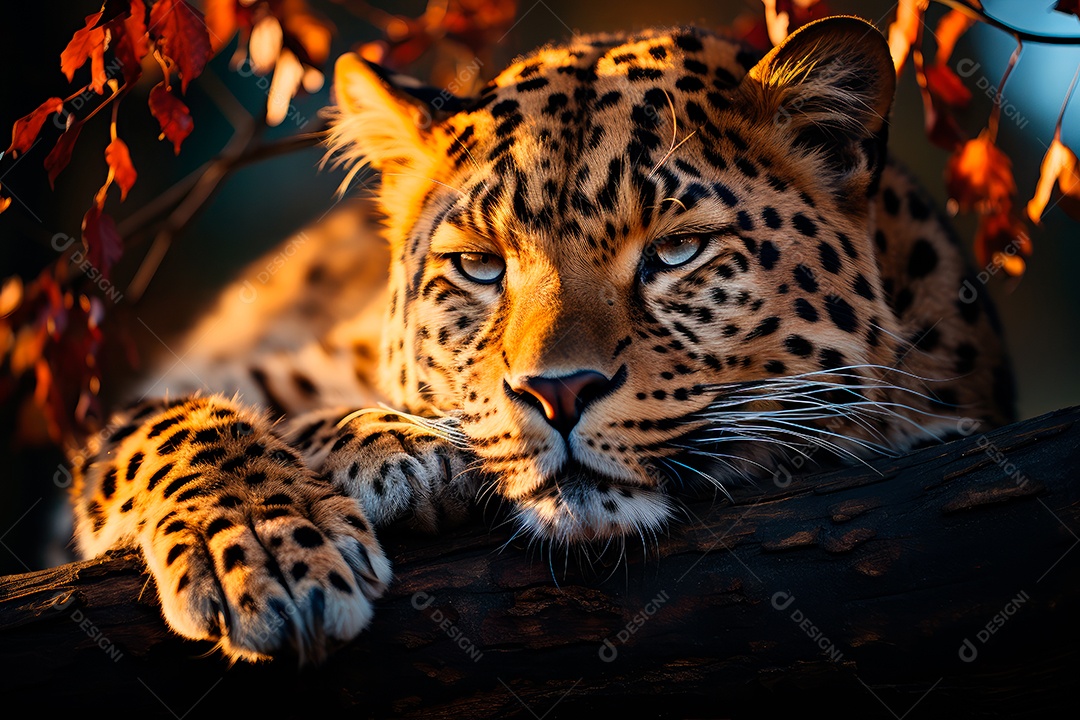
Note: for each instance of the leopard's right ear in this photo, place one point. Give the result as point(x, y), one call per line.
point(377, 123)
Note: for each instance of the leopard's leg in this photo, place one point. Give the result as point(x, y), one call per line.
point(247, 544)
point(396, 467)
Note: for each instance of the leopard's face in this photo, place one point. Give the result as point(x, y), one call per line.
point(615, 241)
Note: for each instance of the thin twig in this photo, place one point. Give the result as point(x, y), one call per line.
point(995, 112)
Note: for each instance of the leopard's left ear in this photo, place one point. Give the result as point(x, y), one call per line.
point(381, 120)
point(829, 85)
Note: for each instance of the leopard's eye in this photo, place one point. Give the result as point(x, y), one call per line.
point(677, 250)
point(482, 268)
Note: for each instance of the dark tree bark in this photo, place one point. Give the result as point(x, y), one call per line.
point(945, 580)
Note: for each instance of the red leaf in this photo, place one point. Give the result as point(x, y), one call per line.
point(979, 175)
point(945, 86)
point(172, 114)
point(220, 22)
point(941, 126)
point(1069, 7)
point(180, 33)
point(783, 17)
point(1002, 240)
point(59, 157)
point(88, 43)
point(949, 29)
point(130, 41)
point(103, 244)
point(26, 129)
point(310, 35)
point(119, 160)
point(1059, 166)
point(904, 29)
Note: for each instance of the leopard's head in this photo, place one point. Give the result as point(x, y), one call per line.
point(617, 243)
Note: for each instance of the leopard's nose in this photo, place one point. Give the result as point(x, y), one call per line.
point(562, 399)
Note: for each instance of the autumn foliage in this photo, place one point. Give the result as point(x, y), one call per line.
point(50, 326)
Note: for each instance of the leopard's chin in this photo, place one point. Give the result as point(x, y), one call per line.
point(582, 505)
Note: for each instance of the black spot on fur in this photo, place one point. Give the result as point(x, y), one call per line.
point(162, 426)
point(804, 225)
point(830, 359)
point(805, 279)
point(175, 526)
point(122, 433)
point(358, 522)
point(918, 209)
point(158, 476)
point(175, 552)
point(342, 442)
point(108, 483)
point(307, 537)
point(771, 218)
point(178, 483)
point(206, 436)
point(339, 582)
point(207, 456)
point(233, 464)
point(845, 243)
point(768, 255)
point(862, 287)
point(234, 555)
point(892, 202)
point(169, 446)
point(923, 259)
point(689, 43)
point(218, 525)
point(830, 260)
point(841, 313)
point(766, 327)
point(966, 354)
point(903, 301)
point(798, 345)
point(805, 310)
point(926, 339)
point(133, 466)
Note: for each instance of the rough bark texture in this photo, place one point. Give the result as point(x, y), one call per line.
point(942, 581)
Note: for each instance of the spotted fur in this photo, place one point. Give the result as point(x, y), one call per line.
point(576, 374)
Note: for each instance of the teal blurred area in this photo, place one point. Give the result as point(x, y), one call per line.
point(262, 204)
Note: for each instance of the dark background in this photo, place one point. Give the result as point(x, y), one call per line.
point(262, 204)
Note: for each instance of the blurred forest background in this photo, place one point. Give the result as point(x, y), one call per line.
point(263, 203)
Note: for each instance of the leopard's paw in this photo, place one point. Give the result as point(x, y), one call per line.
point(289, 572)
point(399, 470)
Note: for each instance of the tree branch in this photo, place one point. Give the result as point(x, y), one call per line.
point(978, 13)
point(947, 578)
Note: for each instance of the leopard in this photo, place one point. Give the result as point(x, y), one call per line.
point(634, 268)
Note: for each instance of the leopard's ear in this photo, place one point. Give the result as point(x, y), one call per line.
point(377, 121)
point(829, 85)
